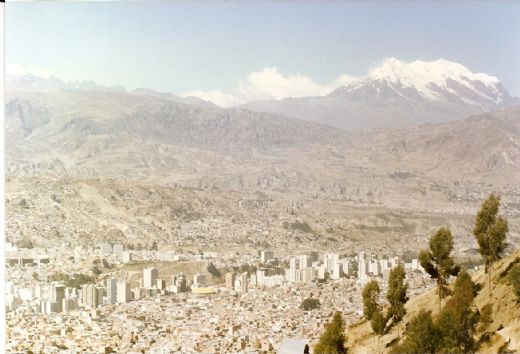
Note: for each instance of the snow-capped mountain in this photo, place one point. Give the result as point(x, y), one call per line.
point(398, 94)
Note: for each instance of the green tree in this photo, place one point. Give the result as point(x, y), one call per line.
point(438, 262)
point(213, 270)
point(332, 341)
point(378, 324)
point(514, 279)
point(370, 295)
point(396, 294)
point(457, 321)
point(420, 336)
point(486, 318)
point(490, 231)
point(310, 304)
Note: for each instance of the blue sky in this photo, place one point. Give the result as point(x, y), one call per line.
point(180, 46)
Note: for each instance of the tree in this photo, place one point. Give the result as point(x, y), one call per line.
point(370, 294)
point(486, 317)
point(378, 324)
point(310, 304)
point(457, 321)
point(514, 279)
point(332, 341)
point(214, 271)
point(421, 336)
point(396, 294)
point(438, 262)
point(490, 231)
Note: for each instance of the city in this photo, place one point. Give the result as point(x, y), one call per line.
point(250, 311)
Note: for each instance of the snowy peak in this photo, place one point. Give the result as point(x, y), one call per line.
point(439, 80)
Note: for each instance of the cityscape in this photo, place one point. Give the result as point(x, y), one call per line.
point(259, 177)
point(252, 310)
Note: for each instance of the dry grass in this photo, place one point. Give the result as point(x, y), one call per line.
point(506, 315)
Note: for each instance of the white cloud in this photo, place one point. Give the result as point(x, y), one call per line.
point(271, 84)
point(16, 69)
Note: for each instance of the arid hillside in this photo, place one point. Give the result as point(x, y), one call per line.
point(505, 327)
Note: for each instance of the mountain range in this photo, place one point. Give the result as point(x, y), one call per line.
point(399, 94)
point(143, 137)
point(157, 137)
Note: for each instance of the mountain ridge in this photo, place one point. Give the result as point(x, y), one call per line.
point(399, 94)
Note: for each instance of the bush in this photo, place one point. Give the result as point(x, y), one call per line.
point(421, 336)
point(214, 271)
point(310, 304)
point(332, 341)
point(514, 279)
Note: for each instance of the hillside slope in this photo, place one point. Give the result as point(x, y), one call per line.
point(506, 314)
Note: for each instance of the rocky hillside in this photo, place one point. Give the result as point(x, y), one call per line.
point(484, 147)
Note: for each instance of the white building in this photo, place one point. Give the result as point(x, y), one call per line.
point(118, 249)
point(105, 249)
point(124, 294)
point(111, 291)
point(330, 260)
point(266, 256)
point(150, 276)
point(199, 280)
point(241, 283)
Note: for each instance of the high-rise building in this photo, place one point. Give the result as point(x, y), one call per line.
point(150, 276)
point(199, 280)
point(303, 261)
point(394, 262)
point(330, 261)
point(90, 295)
point(230, 280)
point(70, 304)
point(384, 265)
point(111, 291)
point(260, 275)
point(313, 256)
point(266, 256)
point(241, 283)
point(253, 280)
point(374, 267)
point(308, 275)
point(363, 270)
point(336, 271)
point(161, 284)
point(57, 295)
point(292, 275)
point(361, 257)
point(178, 283)
point(124, 293)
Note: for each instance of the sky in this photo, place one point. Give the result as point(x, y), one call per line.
point(234, 51)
